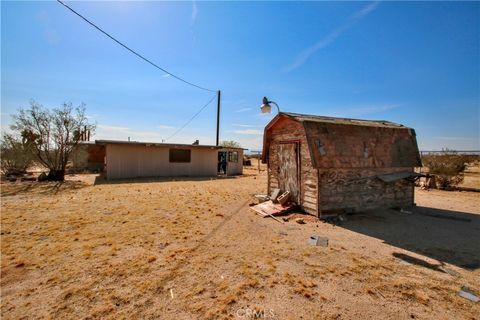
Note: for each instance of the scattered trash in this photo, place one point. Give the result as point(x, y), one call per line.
point(171, 293)
point(405, 211)
point(284, 198)
point(163, 245)
point(283, 233)
point(42, 177)
point(264, 197)
point(107, 213)
point(274, 195)
point(335, 219)
point(318, 241)
point(300, 221)
point(269, 209)
point(43, 238)
point(468, 294)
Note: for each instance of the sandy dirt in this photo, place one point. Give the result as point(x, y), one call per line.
point(163, 249)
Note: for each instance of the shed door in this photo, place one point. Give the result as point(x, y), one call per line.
point(288, 169)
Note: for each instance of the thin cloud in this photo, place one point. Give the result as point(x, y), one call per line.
point(49, 32)
point(371, 109)
point(123, 133)
point(244, 125)
point(332, 36)
point(243, 110)
point(163, 126)
point(249, 132)
point(112, 128)
point(194, 12)
point(457, 138)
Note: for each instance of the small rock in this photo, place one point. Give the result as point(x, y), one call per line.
point(300, 221)
point(42, 177)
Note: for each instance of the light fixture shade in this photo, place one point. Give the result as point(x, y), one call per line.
point(266, 108)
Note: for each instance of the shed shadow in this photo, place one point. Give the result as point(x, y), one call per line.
point(100, 179)
point(447, 236)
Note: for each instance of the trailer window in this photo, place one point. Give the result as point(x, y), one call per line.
point(233, 156)
point(180, 155)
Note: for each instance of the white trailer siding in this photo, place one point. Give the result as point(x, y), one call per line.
point(135, 161)
point(234, 167)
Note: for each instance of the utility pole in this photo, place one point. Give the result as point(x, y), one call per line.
point(218, 117)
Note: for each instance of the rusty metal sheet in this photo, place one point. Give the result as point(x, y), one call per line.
point(391, 177)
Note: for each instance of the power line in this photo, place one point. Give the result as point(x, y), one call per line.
point(131, 50)
point(190, 120)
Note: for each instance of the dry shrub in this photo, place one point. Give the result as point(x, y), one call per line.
point(16, 155)
point(448, 168)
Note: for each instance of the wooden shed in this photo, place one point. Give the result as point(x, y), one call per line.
point(132, 159)
point(333, 165)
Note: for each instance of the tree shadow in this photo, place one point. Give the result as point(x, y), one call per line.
point(447, 236)
point(39, 188)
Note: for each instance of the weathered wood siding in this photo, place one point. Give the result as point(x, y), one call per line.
point(355, 146)
point(287, 130)
point(134, 161)
point(359, 189)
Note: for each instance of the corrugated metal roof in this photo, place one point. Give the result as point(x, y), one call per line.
point(348, 121)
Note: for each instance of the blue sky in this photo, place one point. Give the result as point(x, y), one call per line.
point(416, 63)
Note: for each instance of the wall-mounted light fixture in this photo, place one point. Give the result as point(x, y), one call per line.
point(266, 107)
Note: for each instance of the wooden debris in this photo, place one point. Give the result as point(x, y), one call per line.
point(318, 241)
point(468, 294)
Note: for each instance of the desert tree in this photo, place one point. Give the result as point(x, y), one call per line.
point(52, 134)
point(230, 144)
point(16, 154)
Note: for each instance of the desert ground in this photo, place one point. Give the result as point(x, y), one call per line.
point(193, 249)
